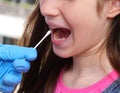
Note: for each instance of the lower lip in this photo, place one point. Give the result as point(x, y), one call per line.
point(58, 42)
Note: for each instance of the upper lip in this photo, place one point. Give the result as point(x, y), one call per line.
point(53, 25)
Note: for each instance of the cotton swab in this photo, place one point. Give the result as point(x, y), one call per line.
point(47, 34)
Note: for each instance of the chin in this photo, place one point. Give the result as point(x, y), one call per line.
point(62, 54)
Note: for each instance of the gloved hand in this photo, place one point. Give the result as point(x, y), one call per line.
point(14, 60)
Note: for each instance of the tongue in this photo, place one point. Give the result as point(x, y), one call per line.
point(61, 33)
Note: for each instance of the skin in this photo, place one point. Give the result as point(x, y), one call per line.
point(88, 32)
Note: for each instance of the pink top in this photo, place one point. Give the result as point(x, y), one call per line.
point(95, 88)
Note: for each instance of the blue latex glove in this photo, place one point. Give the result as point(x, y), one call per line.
point(14, 60)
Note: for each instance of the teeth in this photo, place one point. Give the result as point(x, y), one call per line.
point(59, 38)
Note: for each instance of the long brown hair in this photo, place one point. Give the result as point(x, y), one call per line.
point(45, 70)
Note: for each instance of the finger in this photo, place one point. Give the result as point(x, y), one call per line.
point(4, 67)
point(21, 65)
point(6, 89)
point(12, 78)
point(12, 52)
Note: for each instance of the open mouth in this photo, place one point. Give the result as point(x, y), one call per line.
point(61, 33)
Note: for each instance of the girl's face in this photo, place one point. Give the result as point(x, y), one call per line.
point(75, 24)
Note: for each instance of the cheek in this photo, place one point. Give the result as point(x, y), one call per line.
point(82, 14)
point(84, 27)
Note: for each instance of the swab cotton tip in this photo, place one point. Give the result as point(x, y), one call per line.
point(47, 34)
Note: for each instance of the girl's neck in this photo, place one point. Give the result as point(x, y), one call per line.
point(93, 63)
point(87, 70)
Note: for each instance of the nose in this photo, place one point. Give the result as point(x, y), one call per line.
point(49, 7)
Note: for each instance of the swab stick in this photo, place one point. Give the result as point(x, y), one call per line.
point(47, 34)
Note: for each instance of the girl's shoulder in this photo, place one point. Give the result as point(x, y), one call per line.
point(114, 87)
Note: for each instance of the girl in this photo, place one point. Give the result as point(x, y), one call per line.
point(83, 53)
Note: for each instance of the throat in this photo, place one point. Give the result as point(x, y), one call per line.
point(61, 33)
